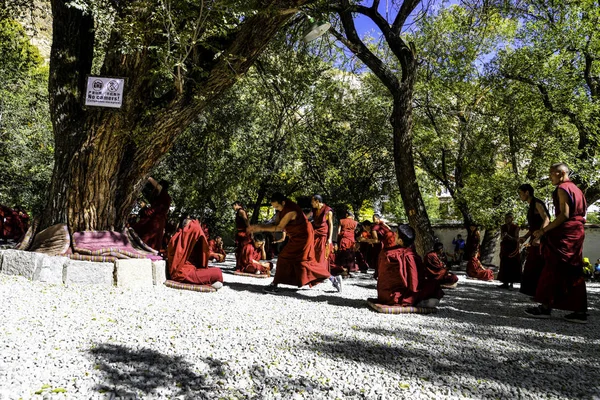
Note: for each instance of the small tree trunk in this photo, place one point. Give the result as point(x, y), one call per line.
point(262, 191)
point(489, 245)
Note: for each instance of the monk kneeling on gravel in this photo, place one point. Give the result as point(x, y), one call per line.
point(188, 254)
point(401, 273)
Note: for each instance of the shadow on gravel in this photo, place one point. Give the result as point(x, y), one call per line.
point(127, 372)
point(445, 366)
point(333, 299)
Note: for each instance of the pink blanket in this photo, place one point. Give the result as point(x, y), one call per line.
point(109, 243)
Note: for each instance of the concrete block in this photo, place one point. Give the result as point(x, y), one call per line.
point(159, 272)
point(87, 272)
point(23, 263)
point(135, 272)
point(51, 270)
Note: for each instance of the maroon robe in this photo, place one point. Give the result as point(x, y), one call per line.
point(381, 230)
point(562, 283)
point(436, 270)
point(215, 252)
point(472, 245)
point(151, 226)
point(334, 267)
point(534, 264)
point(477, 271)
point(247, 255)
point(510, 258)
point(401, 277)
point(188, 257)
point(321, 229)
point(296, 263)
point(241, 236)
point(346, 242)
point(363, 255)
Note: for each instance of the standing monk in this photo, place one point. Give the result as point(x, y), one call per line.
point(188, 257)
point(436, 269)
point(151, 226)
point(537, 218)
point(242, 237)
point(323, 227)
point(346, 241)
point(296, 264)
point(562, 284)
point(401, 273)
point(377, 231)
point(510, 259)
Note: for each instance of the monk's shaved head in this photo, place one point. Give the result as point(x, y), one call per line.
point(560, 167)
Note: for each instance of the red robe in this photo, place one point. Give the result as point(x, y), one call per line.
point(562, 283)
point(381, 230)
point(249, 253)
point(321, 229)
point(401, 278)
point(214, 251)
point(296, 263)
point(477, 271)
point(346, 242)
point(510, 258)
point(535, 261)
point(472, 245)
point(151, 226)
point(241, 236)
point(188, 257)
point(436, 270)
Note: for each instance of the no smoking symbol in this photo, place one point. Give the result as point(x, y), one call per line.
point(113, 86)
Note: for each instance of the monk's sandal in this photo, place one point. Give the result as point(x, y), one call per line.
point(538, 312)
point(270, 289)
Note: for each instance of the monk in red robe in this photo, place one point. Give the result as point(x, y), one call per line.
point(562, 283)
point(362, 248)
point(473, 241)
point(323, 228)
point(242, 237)
point(188, 257)
point(437, 270)
point(510, 257)
point(378, 230)
point(538, 217)
point(251, 256)
point(335, 268)
point(151, 226)
point(345, 256)
point(216, 250)
point(296, 264)
point(401, 273)
point(476, 270)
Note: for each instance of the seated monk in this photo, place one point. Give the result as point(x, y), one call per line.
point(251, 255)
point(216, 250)
point(188, 257)
point(151, 226)
point(401, 273)
point(476, 271)
point(436, 269)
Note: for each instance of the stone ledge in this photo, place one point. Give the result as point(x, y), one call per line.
point(89, 273)
point(23, 263)
point(137, 272)
point(159, 272)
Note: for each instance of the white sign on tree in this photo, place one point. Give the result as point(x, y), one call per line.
point(104, 92)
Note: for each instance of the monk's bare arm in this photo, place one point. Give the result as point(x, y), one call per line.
point(542, 211)
point(329, 217)
point(339, 230)
point(565, 210)
point(274, 228)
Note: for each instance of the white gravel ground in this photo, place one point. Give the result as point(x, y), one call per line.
point(96, 342)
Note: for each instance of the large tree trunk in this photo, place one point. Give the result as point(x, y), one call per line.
point(405, 165)
point(102, 156)
point(489, 245)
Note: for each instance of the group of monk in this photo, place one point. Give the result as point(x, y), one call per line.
point(553, 272)
point(14, 222)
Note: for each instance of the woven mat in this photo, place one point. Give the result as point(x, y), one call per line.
point(385, 309)
point(260, 276)
point(190, 286)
